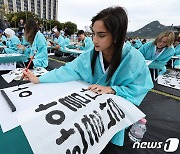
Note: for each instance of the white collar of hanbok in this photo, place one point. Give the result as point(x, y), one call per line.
point(102, 63)
point(159, 53)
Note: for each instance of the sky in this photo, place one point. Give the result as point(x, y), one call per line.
point(140, 12)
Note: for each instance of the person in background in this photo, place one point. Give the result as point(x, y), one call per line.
point(67, 31)
point(2, 38)
point(144, 41)
point(21, 26)
point(136, 43)
point(66, 40)
point(12, 41)
point(37, 44)
point(177, 52)
point(1, 24)
point(128, 40)
point(111, 67)
point(6, 23)
point(159, 50)
point(58, 43)
point(24, 46)
point(41, 28)
point(62, 32)
point(86, 42)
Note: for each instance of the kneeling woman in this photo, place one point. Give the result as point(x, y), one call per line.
point(112, 67)
point(37, 43)
point(12, 41)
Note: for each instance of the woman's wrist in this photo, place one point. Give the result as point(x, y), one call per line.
point(36, 80)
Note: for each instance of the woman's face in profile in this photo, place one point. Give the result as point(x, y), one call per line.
point(102, 38)
point(162, 42)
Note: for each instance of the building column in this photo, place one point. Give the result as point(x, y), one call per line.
point(47, 4)
point(22, 5)
point(6, 6)
point(14, 6)
point(56, 9)
point(35, 7)
point(52, 2)
point(29, 5)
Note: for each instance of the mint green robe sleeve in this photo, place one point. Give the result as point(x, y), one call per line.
point(177, 53)
point(78, 69)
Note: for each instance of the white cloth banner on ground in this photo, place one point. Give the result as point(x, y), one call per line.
point(79, 121)
point(7, 66)
point(17, 73)
point(170, 79)
point(10, 54)
point(28, 95)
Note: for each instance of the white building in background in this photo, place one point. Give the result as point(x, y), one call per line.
point(47, 9)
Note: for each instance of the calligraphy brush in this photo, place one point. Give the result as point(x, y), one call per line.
point(22, 77)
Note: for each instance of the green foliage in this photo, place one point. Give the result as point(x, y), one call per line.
point(3, 10)
point(14, 19)
point(71, 26)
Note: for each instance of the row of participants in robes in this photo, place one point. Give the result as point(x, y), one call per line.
point(162, 49)
point(35, 44)
point(59, 43)
point(33, 40)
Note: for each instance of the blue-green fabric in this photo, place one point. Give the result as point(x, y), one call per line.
point(12, 45)
point(14, 142)
point(66, 41)
point(39, 45)
point(137, 44)
point(87, 44)
point(60, 40)
point(177, 53)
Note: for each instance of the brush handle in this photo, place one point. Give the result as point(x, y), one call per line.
point(22, 77)
point(11, 105)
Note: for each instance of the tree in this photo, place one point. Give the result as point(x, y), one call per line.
point(14, 18)
point(71, 26)
point(3, 10)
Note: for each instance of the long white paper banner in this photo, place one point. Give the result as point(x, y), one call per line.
point(76, 122)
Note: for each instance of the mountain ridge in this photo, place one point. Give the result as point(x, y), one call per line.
point(151, 30)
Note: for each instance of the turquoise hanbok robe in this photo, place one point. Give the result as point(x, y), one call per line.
point(66, 41)
point(177, 53)
point(61, 42)
point(87, 44)
point(39, 46)
point(131, 80)
point(137, 44)
point(128, 42)
point(12, 45)
point(148, 50)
